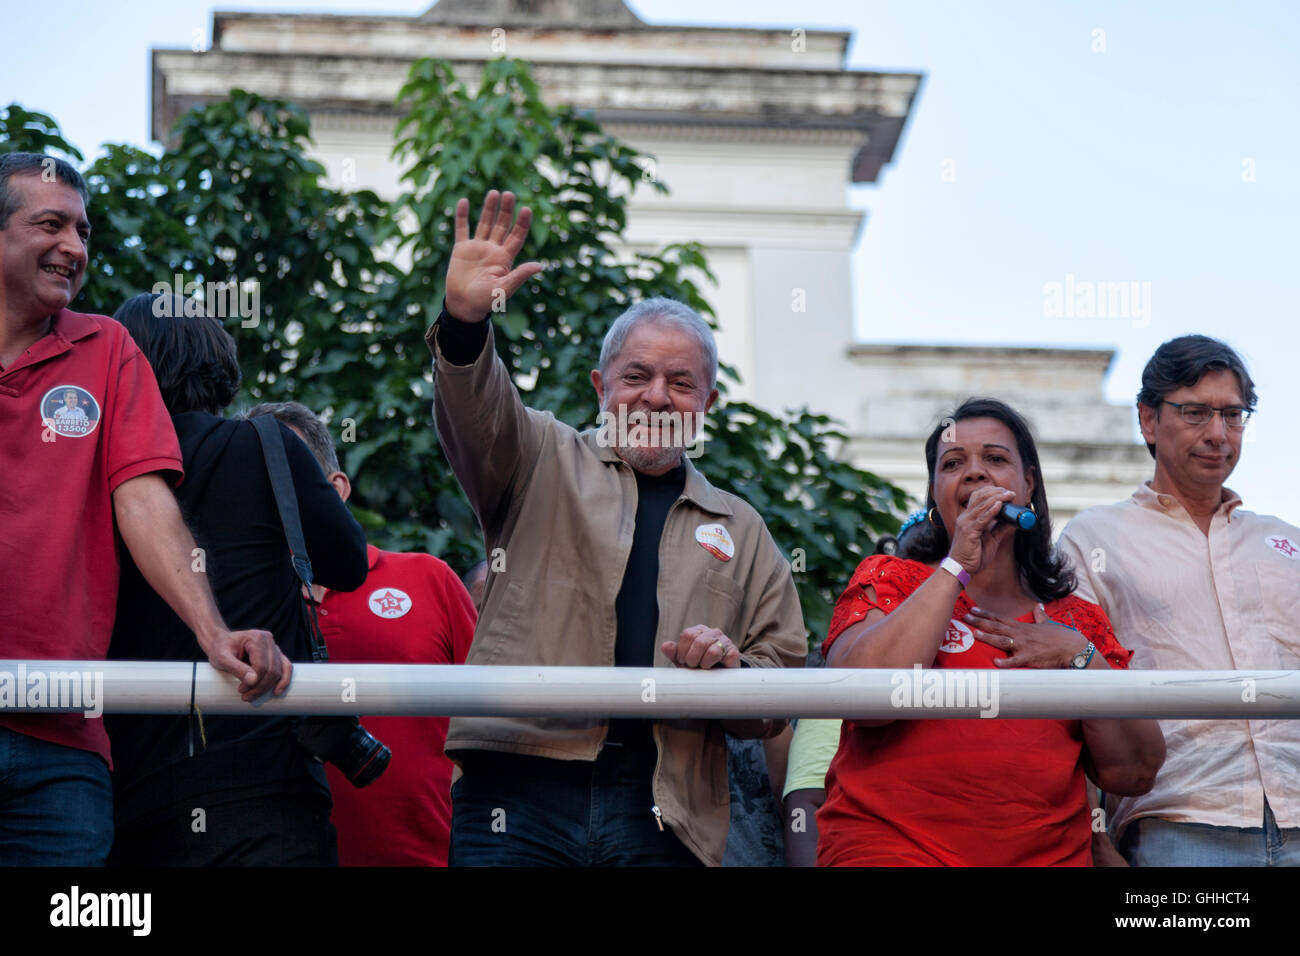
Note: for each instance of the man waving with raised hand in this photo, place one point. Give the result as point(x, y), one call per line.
point(616, 552)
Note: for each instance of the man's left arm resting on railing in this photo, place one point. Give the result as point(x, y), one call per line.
point(776, 636)
point(773, 636)
point(162, 547)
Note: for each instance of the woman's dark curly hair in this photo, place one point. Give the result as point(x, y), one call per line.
point(1045, 572)
point(192, 356)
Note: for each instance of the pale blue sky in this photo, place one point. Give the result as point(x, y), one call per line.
point(1117, 166)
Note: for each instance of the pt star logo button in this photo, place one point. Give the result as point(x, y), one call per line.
point(389, 602)
point(958, 638)
point(1284, 546)
point(714, 539)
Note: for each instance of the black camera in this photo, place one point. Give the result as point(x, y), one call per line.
point(343, 742)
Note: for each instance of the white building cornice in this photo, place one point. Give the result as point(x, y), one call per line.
point(536, 41)
point(634, 74)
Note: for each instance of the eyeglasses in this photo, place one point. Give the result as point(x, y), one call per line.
point(1234, 416)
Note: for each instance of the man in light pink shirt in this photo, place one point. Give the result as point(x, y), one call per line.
point(1191, 579)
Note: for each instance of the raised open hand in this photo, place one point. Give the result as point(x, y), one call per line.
point(479, 275)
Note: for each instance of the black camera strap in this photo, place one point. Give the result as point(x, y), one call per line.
point(341, 741)
point(286, 501)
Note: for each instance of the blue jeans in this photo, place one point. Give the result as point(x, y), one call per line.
point(56, 804)
point(1151, 841)
point(516, 810)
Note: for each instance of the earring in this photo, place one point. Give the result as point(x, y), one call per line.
point(1031, 508)
point(930, 515)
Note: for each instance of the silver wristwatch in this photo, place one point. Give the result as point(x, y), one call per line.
point(1084, 657)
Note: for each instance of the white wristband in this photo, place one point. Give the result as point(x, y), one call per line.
point(951, 565)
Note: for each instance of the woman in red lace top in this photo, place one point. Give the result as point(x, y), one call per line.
point(975, 791)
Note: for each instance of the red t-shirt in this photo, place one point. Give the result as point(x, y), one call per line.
point(982, 792)
point(80, 414)
point(411, 610)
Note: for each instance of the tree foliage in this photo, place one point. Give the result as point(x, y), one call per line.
point(348, 285)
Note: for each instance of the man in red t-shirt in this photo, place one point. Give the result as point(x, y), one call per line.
point(412, 609)
point(86, 448)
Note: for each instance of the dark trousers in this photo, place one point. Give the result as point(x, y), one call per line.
point(278, 830)
point(56, 804)
point(515, 810)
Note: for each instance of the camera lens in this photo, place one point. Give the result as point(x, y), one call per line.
point(365, 759)
point(343, 742)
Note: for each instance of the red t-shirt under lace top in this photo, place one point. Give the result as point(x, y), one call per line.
point(984, 792)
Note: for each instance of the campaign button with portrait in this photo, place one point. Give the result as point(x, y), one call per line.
point(70, 411)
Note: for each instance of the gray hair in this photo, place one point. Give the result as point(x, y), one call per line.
point(667, 312)
point(12, 164)
point(306, 422)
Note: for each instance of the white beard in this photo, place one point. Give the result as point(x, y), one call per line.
point(643, 454)
point(648, 460)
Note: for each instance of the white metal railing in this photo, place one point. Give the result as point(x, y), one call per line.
point(165, 687)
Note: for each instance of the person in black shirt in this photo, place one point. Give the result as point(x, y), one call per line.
point(220, 790)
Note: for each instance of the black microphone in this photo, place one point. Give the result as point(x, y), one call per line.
point(1022, 518)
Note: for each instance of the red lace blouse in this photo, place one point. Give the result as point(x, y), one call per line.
point(996, 792)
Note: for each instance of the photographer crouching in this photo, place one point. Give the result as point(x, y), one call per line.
point(225, 790)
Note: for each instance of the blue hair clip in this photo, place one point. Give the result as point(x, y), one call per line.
point(916, 517)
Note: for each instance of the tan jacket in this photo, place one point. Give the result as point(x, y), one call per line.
point(563, 508)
